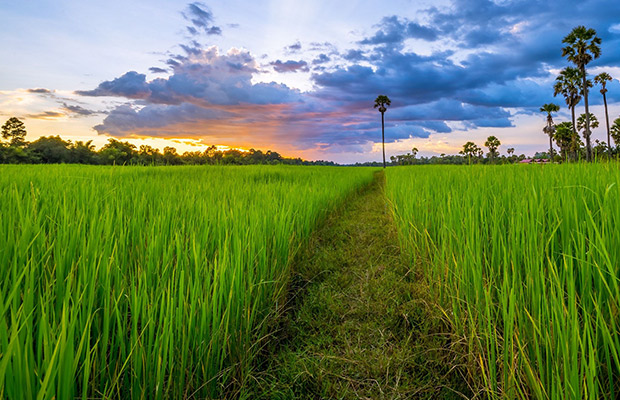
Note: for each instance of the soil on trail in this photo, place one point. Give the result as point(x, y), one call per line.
point(361, 323)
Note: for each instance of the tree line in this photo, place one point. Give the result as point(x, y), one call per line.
point(14, 149)
point(471, 153)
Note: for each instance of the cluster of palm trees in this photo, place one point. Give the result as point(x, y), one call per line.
point(582, 46)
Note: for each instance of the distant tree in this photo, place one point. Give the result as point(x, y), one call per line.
point(171, 157)
point(568, 84)
point(582, 47)
point(602, 79)
point(193, 158)
point(83, 152)
point(582, 121)
point(256, 156)
point(470, 150)
point(50, 150)
point(117, 152)
point(414, 152)
point(272, 157)
point(615, 131)
point(14, 131)
point(492, 144)
point(382, 102)
point(549, 129)
point(510, 151)
point(600, 150)
point(148, 155)
point(564, 138)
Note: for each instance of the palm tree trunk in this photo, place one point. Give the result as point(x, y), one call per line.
point(587, 131)
point(549, 125)
point(550, 149)
point(574, 140)
point(607, 120)
point(383, 137)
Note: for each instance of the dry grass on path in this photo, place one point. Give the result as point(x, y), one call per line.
point(361, 324)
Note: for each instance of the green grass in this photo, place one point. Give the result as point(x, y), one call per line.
point(360, 324)
point(148, 282)
point(526, 262)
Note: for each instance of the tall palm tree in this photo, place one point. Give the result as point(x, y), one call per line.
point(582, 47)
point(602, 79)
point(382, 102)
point(568, 85)
point(550, 128)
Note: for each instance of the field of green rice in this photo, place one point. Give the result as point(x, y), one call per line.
point(525, 261)
point(148, 282)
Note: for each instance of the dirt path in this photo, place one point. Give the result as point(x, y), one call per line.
point(360, 325)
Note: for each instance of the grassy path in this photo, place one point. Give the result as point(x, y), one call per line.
point(360, 325)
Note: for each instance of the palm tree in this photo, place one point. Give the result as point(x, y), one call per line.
point(550, 128)
point(382, 102)
point(470, 149)
point(602, 79)
point(568, 85)
point(564, 137)
point(582, 121)
point(615, 131)
point(582, 47)
point(492, 144)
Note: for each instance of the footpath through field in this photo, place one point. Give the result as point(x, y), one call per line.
point(361, 324)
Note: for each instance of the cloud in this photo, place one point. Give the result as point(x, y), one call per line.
point(354, 55)
point(76, 110)
point(131, 85)
point(394, 30)
point(321, 59)
point(39, 91)
point(203, 77)
point(290, 66)
point(293, 48)
point(201, 20)
point(157, 70)
point(46, 115)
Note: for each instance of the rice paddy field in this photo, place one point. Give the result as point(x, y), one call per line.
point(165, 282)
point(525, 261)
point(148, 282)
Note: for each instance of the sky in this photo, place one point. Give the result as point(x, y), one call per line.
point(298, 77)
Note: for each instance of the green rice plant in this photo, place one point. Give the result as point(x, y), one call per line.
point(525, 262)
point(147, 282)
